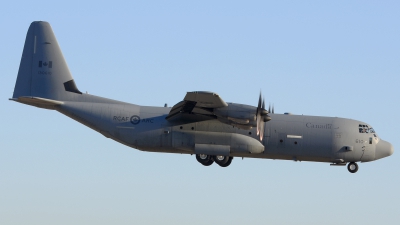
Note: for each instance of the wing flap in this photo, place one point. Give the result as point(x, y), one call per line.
point(181, 107)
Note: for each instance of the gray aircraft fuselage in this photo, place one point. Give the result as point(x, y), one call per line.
point(291, 137)
point(202, 124)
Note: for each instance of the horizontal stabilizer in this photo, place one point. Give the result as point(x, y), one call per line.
point(38, 102)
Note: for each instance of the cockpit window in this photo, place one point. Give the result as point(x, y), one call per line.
point(362, 128)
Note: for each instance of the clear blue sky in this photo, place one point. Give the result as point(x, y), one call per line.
point(336, 58)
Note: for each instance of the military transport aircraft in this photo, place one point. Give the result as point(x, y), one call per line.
point(202, 124)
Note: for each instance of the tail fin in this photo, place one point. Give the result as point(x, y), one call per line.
point(43, 72)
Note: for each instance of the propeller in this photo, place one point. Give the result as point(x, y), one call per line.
point(269, 109)
point(261, 117)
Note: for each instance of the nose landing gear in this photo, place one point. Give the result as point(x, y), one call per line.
point(352, 167)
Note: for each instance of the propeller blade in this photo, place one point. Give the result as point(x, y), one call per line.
point(262, 116)
point(258, 113)
point(262, 126)
point(258, 124)
point(263, 104)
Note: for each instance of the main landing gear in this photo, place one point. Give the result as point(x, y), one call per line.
point(352, 167)
point(207, 160)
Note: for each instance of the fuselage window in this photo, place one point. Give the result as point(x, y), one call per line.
point(370, 140)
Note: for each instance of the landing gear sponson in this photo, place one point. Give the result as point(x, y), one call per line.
point(207, 160)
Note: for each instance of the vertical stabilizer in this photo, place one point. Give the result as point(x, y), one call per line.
point(43, 71)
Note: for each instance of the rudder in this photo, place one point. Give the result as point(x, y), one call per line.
point(43, 71)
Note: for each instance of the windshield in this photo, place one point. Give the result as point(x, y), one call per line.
point(362, 128)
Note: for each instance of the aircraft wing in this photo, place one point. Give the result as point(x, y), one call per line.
point(196, 106)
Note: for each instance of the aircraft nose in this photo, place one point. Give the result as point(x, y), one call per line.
point(383, 149)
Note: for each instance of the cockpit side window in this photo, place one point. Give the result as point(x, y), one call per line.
point(362, 128)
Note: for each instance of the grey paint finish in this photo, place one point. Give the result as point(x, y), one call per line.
point(36, 77)
point(202, 124)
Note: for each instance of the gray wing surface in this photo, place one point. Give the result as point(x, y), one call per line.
point(196, 106)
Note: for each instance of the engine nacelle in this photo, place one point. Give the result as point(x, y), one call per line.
point(237, 114)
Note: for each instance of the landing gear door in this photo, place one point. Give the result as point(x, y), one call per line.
point(368, 151)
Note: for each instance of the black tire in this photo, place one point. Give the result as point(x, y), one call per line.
point(223, 161)
point(206, 160)
point(352, 167)
point(228, 163)
point(209, 163)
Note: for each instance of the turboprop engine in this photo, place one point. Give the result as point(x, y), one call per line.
point(201, 105)
point(244, 116)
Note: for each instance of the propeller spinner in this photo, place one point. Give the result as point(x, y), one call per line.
point(261, 117)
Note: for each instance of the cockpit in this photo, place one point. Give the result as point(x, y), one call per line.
point(365, 129)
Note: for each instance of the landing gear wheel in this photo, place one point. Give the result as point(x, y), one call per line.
point(223, 161)
point(206, 160)
point(228, 162)
point(352, 167)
